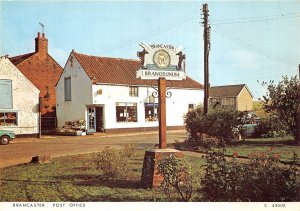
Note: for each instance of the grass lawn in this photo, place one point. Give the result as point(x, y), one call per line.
point(73, 178)
point(285, 147)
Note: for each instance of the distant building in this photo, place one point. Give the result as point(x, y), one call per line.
point(43, 71)
point(237, 97)
point(19, 100)
point(107, 95)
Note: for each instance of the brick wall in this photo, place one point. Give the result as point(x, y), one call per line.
point(150, 177)
point(43, 71)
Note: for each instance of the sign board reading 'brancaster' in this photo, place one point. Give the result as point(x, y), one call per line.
point(161, 61)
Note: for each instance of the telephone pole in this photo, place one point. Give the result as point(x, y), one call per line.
point(206, 37)
point(298, 111)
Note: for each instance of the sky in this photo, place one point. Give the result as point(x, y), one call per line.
point(251, 41)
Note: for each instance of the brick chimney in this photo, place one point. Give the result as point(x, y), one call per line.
point(41, 45)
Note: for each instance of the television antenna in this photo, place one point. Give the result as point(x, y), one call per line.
point(43, 26)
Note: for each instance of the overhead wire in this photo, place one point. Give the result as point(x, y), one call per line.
point(254, 19)
point(253, 48)
point(171, 24)
point(175, 22)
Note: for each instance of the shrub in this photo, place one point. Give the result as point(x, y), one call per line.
point(260, 179)
point(178, 177)
point(112, 163)
point(218, 123)
point(195, 122)
point(129, 150)
point(270, 127)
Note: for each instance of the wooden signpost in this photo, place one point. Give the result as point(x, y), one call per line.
point(159, 62)
point(162, 113)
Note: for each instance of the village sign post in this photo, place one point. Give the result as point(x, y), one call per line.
point(163, 63)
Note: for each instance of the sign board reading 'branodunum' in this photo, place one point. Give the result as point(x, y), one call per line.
point(161, 61)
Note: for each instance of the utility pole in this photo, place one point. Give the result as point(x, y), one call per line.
point(206, 37)
point(298, 111)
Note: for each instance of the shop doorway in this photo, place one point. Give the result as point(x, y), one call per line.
point(95, 119)
point(99, 119)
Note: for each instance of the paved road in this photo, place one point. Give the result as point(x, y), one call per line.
point(22, 150)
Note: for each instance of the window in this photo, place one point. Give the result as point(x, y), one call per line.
point(126, 112)
point(5, 93)
point(8, 119)
point(68, 89)
point(191, 107)
point(133, 91)
point(151, 112)
point(227, 101)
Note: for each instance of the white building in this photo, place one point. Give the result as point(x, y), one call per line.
point(107, 95)
point(19, 100)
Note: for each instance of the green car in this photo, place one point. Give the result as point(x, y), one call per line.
point(6, 136)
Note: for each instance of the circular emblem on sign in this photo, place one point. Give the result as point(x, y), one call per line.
point(161, 59)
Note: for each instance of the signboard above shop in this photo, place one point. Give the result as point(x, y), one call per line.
point(160, 60)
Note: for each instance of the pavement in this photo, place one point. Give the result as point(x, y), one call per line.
point(89, 136)
point(21, 150)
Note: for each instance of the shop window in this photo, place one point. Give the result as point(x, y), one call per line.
point(6, 94)
point(133, 91)
point(8, 119)
point(68, 89)
point(151, 112)
point(126, 112)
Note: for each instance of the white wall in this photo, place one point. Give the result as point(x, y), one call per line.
point(81, 93)
point(25, 99)
point(177, 105)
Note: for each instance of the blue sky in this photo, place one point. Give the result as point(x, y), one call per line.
point(250, 40)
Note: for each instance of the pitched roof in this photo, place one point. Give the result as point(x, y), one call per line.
point(18, 59)
point(226, 91)
point(121, 71)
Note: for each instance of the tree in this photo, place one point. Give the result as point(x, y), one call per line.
point(281, 100)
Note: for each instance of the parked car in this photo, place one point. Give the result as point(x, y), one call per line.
point(6, 136)
point(249, 117)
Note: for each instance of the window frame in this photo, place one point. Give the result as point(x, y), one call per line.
point(67, 97)
point(125, 112)
point(154, 109)
point(133, 91)
point(191, 106)
point(5, 118)
point(11, 94)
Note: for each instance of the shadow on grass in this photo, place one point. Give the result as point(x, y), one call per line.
point(191, 146)
point(265, 142)
point(98, 181)
point(30, 182)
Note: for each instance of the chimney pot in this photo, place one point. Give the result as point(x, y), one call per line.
point(41, 45)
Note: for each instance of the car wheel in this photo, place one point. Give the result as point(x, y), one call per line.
point(4, 140)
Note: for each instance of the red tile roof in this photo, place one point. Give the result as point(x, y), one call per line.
point(226, 91)
point(18, 59)
point(121, 71)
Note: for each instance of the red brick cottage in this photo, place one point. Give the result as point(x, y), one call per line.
point(43, 71)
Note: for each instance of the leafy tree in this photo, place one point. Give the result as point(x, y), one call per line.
point(281, 100)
